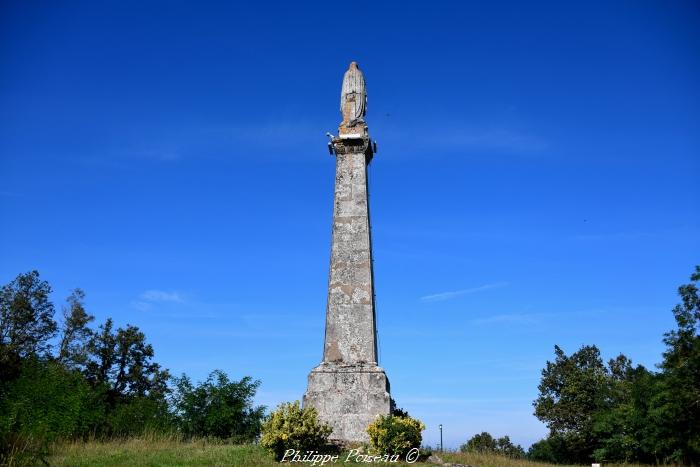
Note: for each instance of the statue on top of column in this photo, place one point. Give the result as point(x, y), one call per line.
point(353, 98)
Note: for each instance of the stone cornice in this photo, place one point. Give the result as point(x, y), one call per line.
point(359, 145)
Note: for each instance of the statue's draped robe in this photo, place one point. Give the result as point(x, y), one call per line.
point(353, 98)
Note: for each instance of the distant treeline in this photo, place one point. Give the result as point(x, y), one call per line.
point(67, 380)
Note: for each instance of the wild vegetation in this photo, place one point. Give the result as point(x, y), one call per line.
point(159, 450)
point(618, 412)
point(69, 381)
point(484, 443)
point(76, 394)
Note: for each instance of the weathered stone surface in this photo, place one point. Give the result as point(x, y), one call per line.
point(348, 397)
point(353, 98)
point(348, 388)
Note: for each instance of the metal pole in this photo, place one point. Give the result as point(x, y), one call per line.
point(441, 437)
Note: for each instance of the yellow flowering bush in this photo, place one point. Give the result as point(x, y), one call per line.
point(291, 427)
point(389, 434)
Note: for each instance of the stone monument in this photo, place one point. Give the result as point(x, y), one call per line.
point(348, 389)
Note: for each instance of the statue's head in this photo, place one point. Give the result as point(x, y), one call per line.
point(353, 66)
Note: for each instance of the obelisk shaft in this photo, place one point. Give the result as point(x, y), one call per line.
point(350, 316)
point(348, 389)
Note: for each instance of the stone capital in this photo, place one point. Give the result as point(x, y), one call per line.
point(353, 145)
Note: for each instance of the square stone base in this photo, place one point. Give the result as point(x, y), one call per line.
point(349, 398)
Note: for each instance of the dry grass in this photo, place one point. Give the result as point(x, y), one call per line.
point(158, 450)
point(166, 450)
point(494, 460)
point(487, 460)
point(173, 450)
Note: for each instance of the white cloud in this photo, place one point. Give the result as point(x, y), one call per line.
point(160, 296)
point(533, 318)
point(449, 295)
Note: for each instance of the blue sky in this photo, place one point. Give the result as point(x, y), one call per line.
point(536, 183)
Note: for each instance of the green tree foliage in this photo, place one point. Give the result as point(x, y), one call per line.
point(482, 442)
point(485, 443)
point(572, 390)
point(218, 407)
point(75, 332)
point(551, 449)
point(505, 447)
point(678, 401)
point(138, 415)
point(26, 322)
point(119, 365)
point(397, 411)
point(99, 382)
point(623, 430)
point(48, 401)
point(591, 409)
point(293, 427)
point(389, 434)
point(622, 413)
point(121, 360)
point(45, 401)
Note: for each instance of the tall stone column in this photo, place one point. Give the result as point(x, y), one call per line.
point(348, 388)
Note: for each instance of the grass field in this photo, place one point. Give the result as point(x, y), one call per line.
point(164, 451)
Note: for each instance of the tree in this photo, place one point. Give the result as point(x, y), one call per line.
point(677, 405)
point(551, 449)
point(26, 317)
point(396, 411)
point(621, 413)
point(218, 407)
point(482, 442)
point(75, 333)
point(485, 443)
point(623, 430)
point(572, 391)
point(505, 447)
point(103, 382)
point(123, 362)
point(101, 354)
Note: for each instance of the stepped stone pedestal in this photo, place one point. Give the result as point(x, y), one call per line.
point(348, 389)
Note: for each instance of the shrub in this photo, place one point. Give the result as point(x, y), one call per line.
point(218, 407)
point(47, 401)
point(293, 427)
point(389, 434)
point(137, 416)
point(22, 450)
point(552, 450)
